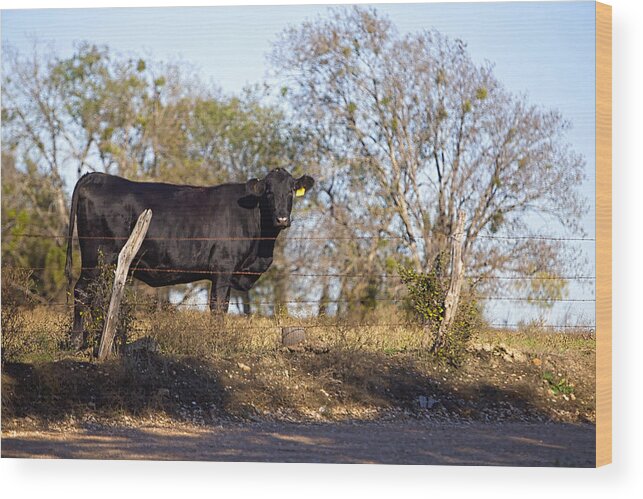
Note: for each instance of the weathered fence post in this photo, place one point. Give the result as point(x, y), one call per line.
point(125, 258)
point(455, 285)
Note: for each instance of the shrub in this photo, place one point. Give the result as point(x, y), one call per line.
point(425, 299)
point(95, 315)
point(425, 303)
point(467, 321)
point(16, 285)
point(29, 331)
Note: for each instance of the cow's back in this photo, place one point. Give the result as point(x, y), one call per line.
point(187, 222)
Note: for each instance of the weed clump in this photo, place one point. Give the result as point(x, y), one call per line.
point(557, 387)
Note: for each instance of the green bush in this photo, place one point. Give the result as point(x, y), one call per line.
point(425, 303)
point(426, 293)
point(95, 315)
point(467, 321)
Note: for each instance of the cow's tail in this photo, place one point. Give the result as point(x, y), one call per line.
point(70, 236)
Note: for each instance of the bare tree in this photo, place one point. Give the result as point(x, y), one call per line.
point(409, 130)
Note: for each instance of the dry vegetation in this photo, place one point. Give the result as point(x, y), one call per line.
point(188, 366)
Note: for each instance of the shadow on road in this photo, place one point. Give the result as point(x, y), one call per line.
point(508, 444)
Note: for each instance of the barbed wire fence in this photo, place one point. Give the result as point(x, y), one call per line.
point(308, 302)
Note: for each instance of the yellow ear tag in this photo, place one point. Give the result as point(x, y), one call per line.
point(300, 192)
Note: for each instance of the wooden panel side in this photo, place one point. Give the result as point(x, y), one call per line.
point(603, 234)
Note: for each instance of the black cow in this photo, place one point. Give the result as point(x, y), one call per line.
point(224, 233)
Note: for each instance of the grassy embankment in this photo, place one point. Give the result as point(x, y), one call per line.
point(193, 368)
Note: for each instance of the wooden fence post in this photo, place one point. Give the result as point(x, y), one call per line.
point(125, 258)
point(455, 285)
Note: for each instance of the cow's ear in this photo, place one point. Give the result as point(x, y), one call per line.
point(303, 184)
point(255, 187)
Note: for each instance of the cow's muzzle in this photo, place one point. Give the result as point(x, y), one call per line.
point(282, 222)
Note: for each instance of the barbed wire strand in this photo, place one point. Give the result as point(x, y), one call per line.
point(235, 327)
point(356, 326)
point(329, 302)
point(307, 274)
point(302, 238)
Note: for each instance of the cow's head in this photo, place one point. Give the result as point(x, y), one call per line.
point(277, 190)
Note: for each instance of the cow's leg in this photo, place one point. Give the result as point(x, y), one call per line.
point(245, 298)
point(220, 294)
point(83, 298)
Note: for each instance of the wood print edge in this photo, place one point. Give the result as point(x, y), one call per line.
point(603, 234)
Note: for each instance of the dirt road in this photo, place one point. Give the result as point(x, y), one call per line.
point(414, 442)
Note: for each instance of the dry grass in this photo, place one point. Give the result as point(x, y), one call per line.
point(197, 333)
point(538, 341)
point(37, 334)
point(184, 332)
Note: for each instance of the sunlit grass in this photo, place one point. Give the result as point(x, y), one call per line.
point(196, 333)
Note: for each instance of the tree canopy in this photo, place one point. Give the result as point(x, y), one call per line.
point(409, 130)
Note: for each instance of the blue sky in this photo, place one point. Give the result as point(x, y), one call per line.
point(542, 49)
